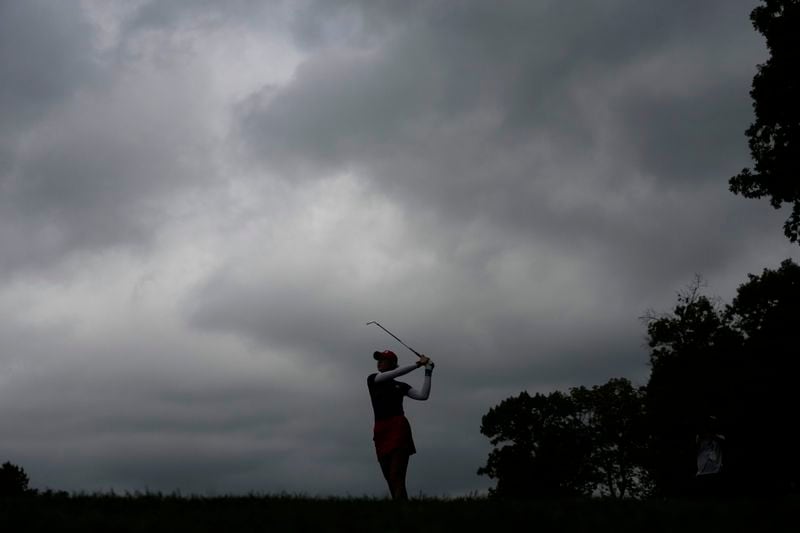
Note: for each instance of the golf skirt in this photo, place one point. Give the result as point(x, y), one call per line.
point(393, 434)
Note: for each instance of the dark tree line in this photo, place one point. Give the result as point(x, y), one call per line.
point(568, 444)
point(735, 362)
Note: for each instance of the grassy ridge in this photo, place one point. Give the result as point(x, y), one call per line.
point(155, 513)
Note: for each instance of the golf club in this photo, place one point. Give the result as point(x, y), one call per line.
point(396, 337)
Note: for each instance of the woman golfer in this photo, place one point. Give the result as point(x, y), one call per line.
point(392, 435)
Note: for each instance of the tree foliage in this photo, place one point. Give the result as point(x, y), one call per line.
point(690, 350)
point(13, 481)
point(589, 441)
point(614, 420)
point(774, 137)
point(766, 311)
point(540, 450)
point(738, 363)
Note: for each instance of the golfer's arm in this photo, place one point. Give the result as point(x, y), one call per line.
point(423, 394)
point(397, 372)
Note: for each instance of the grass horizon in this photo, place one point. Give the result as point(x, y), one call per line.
point(155, 511)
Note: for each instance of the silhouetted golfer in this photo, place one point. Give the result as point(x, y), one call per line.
point(392, 434)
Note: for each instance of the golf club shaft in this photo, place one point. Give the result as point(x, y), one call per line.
point(396, 337)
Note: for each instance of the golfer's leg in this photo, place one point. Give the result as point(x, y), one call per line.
point(398, 473)
point(386, 468)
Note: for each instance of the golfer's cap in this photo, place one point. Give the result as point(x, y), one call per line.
point(385, 355)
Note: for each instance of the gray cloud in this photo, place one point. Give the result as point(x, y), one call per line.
point(45, 56)
point(540, 118)
point(99, 142)
point(45, 59)
point(474, 111)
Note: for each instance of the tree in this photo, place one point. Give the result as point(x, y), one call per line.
point(13, 481)
point(693, 352)
point(614, 417)
point(766, 310)
point(774, 138)
point(540, 448)
point(739, 363)
point(767, 307)
point(589, 441)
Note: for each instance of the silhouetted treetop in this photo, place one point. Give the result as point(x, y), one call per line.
point(769, 304)
point(774, 137)
point(13, 481)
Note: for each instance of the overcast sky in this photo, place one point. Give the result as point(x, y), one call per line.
point(202, 204)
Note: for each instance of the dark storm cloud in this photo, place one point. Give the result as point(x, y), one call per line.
point(206, 16)
point(43, 60)
point(702, 128)
point(471, 110)
point(92, 143)
point(521, 59)
point(307, 317)
point(581, 125)
point(45, 56)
